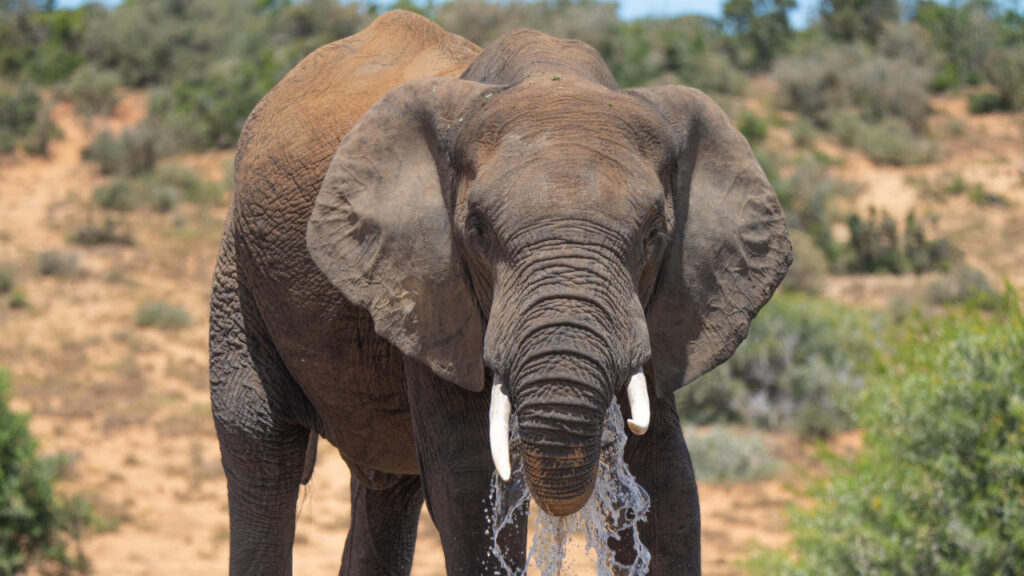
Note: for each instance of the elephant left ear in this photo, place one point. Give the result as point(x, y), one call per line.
point(730, 248)
point(381, 227)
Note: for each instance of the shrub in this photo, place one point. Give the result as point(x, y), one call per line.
point(939, 485)
point(753, 127)
point(19, 109)
point(722, 454)
point(160, 314)
point(189, 186)
point(92, 90)
point(891, 141)
point(111, 231)
point(36, 524)
point(133, 152)
point(37, 141)
point(963, 285)
point(119, 194)
point(6, 279)
point(57, 263)
point(798, 369)
point(803, 133)
point(18, 300)
point(985, 102)
point(922, 254)
point(808, 197)
point(1005, 69)
point(981, 196)
point(809, 268)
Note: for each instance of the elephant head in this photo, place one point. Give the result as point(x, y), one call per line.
point(533, 221)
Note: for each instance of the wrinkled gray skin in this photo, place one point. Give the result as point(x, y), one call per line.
point(509, 211)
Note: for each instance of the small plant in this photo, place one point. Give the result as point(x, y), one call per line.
point(722, 454)
point(57, 263)
point(6, 279)
point(111, 231)
point(119, 194)
point(985, 102)
point(92, 90)
point(803, 133)
point(160, 314)
point(18, 300)
point(980, 196)
point(963, 285)
point(753, 127)
point(810, 266)
point(133, 152)
point(189, 186)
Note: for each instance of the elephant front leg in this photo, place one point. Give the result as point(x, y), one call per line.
point(661, 463)
point(451, 429)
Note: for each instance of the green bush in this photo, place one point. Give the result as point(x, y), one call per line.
point(19, 109)
point(963, 285)
point(6, 279)
point(752, 126)
point(110, 231)
point(808, 197)
point(92, 90)
point(722, 454)
point(133, 152)
point(985, 102)
point(922, 254)
point(160, 314)
point(798, 369)
point(37, 525)
point(803, 133)
point(119, 194)
point(57, 263)
point(1005, 69)
point(810, 266)
point(189, 186)
point(939, 485)
point(891, 141)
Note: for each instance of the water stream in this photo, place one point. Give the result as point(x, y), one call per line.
point(614, 511)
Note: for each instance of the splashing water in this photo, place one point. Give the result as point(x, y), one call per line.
point(614, 511)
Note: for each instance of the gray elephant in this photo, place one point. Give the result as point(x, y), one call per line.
point(415, 218)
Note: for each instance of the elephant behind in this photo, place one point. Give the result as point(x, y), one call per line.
point(413, 218)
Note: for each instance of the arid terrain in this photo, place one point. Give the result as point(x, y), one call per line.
point(129, 405)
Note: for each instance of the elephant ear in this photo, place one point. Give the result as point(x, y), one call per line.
point(381, 227)
point(730, 248)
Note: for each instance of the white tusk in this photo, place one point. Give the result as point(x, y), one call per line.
point(639, 404)
point(501, 412)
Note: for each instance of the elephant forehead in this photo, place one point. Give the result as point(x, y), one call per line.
point(567, 179)
point(538, 114)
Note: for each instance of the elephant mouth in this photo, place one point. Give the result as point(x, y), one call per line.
point(501, 414)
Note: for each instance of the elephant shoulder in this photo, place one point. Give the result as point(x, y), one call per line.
point(290, 137)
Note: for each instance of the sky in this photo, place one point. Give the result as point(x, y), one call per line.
point(632, 9)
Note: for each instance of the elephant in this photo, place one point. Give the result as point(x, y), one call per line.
point(425, 238)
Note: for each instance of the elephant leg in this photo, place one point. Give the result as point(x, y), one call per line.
point(263, 444)
point(451, 430)
point(382, 537)
point(263, 484)
point(661, 464)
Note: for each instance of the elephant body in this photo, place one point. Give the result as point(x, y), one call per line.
point(401, 231)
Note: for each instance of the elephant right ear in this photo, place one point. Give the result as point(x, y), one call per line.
point(381, 226)
point(730, 248)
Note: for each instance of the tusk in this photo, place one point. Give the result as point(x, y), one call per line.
point(639, 404)
point(501, 411)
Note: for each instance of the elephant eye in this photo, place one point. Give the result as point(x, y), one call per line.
point(655, 240)
point(478, 233)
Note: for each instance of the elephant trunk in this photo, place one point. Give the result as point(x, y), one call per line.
point(566, 331)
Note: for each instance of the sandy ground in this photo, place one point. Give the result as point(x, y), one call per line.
point(130, 405)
